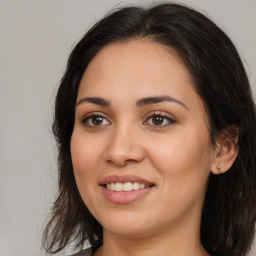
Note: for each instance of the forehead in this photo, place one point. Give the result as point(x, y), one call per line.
point(140, 64)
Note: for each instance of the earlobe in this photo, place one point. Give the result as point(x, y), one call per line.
point(226, 153)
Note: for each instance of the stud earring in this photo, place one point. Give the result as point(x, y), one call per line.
point(219, 169)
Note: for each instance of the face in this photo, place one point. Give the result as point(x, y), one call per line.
point(140, 147)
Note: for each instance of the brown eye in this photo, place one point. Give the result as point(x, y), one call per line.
point(157, 120)
point(95, 120)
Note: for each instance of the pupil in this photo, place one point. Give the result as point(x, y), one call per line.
point(97, 120)
point(157, 120)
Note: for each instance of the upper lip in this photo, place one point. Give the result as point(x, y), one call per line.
point(125, 178)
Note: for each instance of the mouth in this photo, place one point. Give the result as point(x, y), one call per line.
point(125, 183)
point(125, 189)
point(127, 186)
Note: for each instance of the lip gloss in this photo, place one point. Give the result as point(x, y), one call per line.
point(123, 197)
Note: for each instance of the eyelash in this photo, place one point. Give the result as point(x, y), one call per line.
point(149, 116)
point(158, 114)
point(89, 117)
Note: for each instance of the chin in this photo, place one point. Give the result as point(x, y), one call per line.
point(126, 225)
point(127, 231)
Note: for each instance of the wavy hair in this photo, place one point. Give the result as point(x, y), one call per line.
point(229, 211)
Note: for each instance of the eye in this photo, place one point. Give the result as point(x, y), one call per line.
point(158, 119)
point(95, 119)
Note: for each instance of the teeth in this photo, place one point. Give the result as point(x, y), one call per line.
point(127, 186)
point(119, 186)
point(136, 186)
point(113, 186)
point(142, 186)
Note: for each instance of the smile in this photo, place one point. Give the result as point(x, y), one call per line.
point(127, 186)
point(125, 189)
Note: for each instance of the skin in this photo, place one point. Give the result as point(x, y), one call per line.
point(176, 155)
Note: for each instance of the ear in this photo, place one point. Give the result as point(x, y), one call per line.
point(226, 150)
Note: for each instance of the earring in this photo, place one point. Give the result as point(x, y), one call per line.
point(219, 169)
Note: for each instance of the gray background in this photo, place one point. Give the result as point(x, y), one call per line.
point(36, 38)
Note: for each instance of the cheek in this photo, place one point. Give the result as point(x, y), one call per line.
point(177, 153)
point(184, 161)
point(183, 171)
point(84, 154)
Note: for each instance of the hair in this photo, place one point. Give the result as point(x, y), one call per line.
point(229, 211)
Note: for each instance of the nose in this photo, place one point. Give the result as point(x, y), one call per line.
point(124, 146)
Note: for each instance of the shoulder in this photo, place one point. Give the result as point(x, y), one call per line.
point(86, 252)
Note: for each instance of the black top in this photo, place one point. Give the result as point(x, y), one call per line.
point(86, 252)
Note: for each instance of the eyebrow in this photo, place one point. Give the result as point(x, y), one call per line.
point(139, 103)
point(153, 100)
point(95, 100)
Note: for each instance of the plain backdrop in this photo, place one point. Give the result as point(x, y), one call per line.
point(36, 38)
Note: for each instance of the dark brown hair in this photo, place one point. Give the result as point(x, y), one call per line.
point(229, 211)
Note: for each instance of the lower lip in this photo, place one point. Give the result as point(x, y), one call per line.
point(125, 197)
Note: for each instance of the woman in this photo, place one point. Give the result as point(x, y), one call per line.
point(156, 129)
